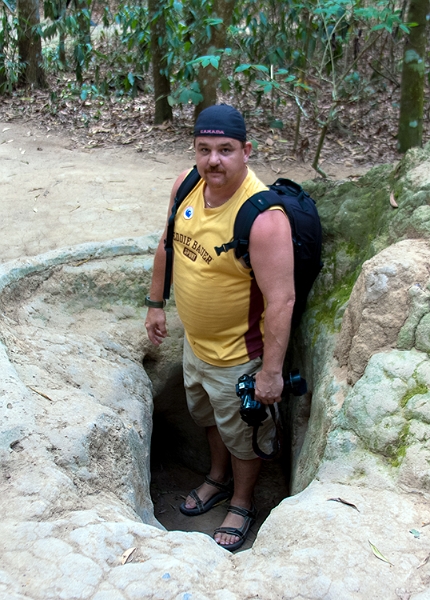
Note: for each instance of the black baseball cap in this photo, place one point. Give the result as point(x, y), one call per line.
point(221, 120)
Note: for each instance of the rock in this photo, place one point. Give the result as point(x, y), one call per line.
point(381, 432)
point(314, 545)
point(76, 407)
point(382, 289)
point(422, 336)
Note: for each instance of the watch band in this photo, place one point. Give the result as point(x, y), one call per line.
point(154, 303)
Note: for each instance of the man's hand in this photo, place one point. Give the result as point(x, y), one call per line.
point(268, 387)
point(155, 324)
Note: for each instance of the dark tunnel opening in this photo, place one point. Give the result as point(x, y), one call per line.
point(180, 459)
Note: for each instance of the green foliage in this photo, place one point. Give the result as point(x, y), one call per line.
point(186, 94)
point(11, 67)
point(10, 4)
point(275, 50)
point(116, 61)
point(205, 61)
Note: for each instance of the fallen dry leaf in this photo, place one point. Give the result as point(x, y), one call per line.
point(126, 555)
point(378, 554)
point(344, 502)
point(424, 562)
point(393, 201)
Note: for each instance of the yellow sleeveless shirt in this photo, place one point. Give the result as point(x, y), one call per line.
point(218, 302)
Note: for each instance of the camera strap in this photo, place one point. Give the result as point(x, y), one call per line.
point(276, 441)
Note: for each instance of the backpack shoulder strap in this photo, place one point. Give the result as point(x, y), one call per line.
point(245, 218)
point(187, 186)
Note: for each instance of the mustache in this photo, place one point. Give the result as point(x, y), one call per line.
point(214, 170)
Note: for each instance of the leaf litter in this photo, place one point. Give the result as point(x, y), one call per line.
point(363, 135)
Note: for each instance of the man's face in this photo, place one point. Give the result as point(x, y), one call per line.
point(221, 161)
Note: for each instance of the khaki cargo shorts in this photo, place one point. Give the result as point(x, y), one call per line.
point(212, 400)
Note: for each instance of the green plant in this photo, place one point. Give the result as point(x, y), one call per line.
point(327, 30)
point(11, 67)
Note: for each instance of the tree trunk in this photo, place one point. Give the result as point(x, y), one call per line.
point(412, 96)
point(4, 24)
point(30, 44)
point(62, 36)
point(208, 77)
point(163, 110)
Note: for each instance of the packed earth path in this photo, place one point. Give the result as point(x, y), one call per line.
point(57, 193)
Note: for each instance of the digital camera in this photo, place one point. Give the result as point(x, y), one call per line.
point(252, 411)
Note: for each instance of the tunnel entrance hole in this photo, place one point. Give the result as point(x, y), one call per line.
point(180, 459)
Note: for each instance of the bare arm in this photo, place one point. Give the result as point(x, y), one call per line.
point(272, 259)
point(155, 322)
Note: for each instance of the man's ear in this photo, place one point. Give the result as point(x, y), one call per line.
point(246, 151)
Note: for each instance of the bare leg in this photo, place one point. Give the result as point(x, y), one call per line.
point(245, 474)
point(220, 466)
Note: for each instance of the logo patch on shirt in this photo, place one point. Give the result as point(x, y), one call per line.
point(190, 254)
point(188, 213)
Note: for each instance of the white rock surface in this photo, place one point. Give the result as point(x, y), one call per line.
point(76, 408)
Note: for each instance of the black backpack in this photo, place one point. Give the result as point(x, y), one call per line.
point(305, 226)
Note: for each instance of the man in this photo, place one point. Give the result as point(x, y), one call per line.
point(234, 324)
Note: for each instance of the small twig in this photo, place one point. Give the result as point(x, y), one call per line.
point(318, 152)
point(389, 78)
point(296, 98)
point(40, 393)
point(81, 262)
point(365, 49)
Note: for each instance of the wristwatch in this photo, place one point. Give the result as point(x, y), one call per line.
point(154, 303)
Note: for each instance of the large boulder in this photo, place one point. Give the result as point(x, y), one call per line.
point(388, 307)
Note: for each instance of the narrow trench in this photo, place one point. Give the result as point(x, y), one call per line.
point(180, 459)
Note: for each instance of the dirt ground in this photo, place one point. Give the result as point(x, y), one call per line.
point(56, 192)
